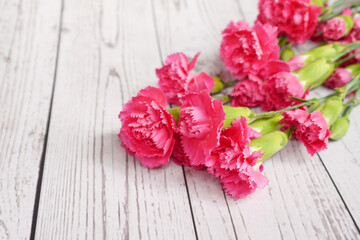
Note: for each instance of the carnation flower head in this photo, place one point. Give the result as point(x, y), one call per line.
point(233, 161)
point(245, 50)
point(200, 122)
point(147, 128)
point(279, 87)
point(297, 19)
point(273, 67)
point(334, 29)
point(175, 79)
point(243, 181)
point(179, 156)
point(310, 128)
point(266, 11)
point(248, 93)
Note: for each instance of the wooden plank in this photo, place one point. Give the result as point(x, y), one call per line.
point(28, 51)
point(91, 187)
point(191, 27)
point(300, 202)
point(342, 160)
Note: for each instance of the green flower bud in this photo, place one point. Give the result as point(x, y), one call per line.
point(266, 125)
point(269, 144)
point(326, 51)
point(175, 112)
point(354, 69)
point(287, 54)
point(314, 74)
point(332, 108)
point(339, 128)
point(349, 22)
point(219, 85)
point(232, 113)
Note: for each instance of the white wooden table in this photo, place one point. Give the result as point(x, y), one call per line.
point(66, 69)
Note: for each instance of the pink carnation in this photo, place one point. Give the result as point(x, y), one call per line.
point(200, 123)
point(179, 156)
point(248, 93)
point(279, 87)
point(273, 67)
point(310, 129)
point(339, 78)
point(266, 11)
point(233, 162)
point(200, 82)
point(245, 50)
point(147, 128)
point(334, 29)
point(297, 19)
point(174, 77)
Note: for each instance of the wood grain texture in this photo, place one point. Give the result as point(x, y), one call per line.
point(28, 49)
point(300, 201)
point(91, 188)
point(342, 161)
point(191, 27)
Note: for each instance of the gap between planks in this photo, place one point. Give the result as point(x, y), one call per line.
point(337, 190)
point(43, 154)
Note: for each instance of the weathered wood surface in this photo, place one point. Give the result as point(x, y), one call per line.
point(90, 187)
point(300, 200)
point(28, 50)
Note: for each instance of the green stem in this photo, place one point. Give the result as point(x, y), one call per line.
point(350, 47)
point(354, 101)
point(299, 99)
point(350, 86)
point(356, 94)
point(327, 16)
point(341, 61)
point(323, 99)
point(283, 110)
point(354, 4)
point(337, 3)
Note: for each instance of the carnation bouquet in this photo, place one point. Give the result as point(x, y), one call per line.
point(202, 122)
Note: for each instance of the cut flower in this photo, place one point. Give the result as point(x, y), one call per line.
point(147, 128)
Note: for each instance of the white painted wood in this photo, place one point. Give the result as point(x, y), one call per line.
point(342, 160)
point(28, 48)
point(195, 26)
point(300, 201)
point(191, 27)
point(91, 188)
